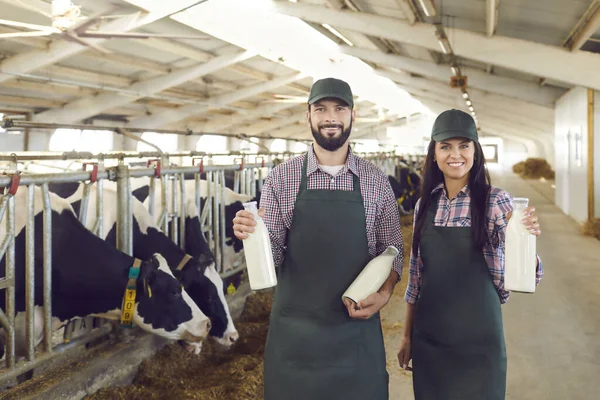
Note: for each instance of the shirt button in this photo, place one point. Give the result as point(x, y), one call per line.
point(332, 180)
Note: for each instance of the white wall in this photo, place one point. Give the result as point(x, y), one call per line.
point(571, 132)
point(513, 153)
point(597, 154)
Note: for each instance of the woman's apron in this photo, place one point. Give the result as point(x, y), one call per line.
point(314, 349)
point(458, 347)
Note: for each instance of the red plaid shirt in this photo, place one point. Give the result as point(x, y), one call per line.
point(280, 189)
point(457, 213)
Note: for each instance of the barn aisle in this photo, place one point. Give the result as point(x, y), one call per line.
point(551, 336)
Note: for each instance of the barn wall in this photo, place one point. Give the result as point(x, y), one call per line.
point(597, 154)
point(513, 153)
point(571, 153)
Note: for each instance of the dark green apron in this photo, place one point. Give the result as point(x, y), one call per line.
point(314, 350)
point(458, 347)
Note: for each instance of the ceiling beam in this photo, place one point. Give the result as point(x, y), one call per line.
point(86, 107)
point(479, 97)
point(60, 49)
point(219, 124)
point(577, 69)
point(173, 116)
point(585, 27)
point(528, 91)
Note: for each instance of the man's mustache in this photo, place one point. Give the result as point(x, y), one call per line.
point(329, 126)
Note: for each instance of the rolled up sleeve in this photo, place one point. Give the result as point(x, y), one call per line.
point(273, 218)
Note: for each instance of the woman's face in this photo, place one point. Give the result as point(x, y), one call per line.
point(455, 157)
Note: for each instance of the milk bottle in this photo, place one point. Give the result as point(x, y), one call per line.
point(257, 250)
point(372, 276)
point(520, 254)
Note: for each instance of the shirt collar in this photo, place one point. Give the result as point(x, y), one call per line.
point(313, 164)
point(465, 191)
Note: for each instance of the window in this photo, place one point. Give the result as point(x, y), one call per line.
point(366, 146)
point(76, 140)
point(96, 141)
point(278, 146)
point(212, 144)
point(300, 147)
point(165, 142)
point(248, 147)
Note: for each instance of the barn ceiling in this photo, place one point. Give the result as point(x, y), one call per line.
point(252, 68)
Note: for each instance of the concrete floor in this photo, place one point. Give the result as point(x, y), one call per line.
point(552, 336)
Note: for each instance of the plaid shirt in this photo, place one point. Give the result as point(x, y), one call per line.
point(280, 189)
point(456, 213)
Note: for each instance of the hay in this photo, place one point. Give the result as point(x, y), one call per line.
point(173, 373)
point(534, 168)
point(592, 228)
point(236, 374)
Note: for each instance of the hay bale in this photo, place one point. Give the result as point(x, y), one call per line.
point(173, 373)
point(519, 168)
point(592, 228)
point(534, 168)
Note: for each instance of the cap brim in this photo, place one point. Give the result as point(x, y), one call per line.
point(438, 137)
point(327, 95)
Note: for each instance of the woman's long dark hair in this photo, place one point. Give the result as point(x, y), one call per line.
point(479, 185)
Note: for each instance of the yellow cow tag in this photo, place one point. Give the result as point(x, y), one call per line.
point(231, 289)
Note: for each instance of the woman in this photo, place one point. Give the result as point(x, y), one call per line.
point(453, 330)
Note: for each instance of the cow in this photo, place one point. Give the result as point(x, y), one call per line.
point(233, 255)
point(406, 186)
point(90, 276)
point(229, 176)
point(196, 271)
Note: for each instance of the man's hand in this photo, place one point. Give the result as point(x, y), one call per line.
point(244, 223)
point(368, 307)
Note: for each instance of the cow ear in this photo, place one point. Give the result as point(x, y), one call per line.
point(148, 269)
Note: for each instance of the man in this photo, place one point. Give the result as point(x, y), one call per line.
point(328, 213)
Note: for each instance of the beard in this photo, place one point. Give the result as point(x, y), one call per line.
point(330, 143)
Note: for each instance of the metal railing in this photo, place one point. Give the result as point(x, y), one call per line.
point(248, 177)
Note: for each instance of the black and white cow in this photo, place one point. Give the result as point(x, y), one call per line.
point(197, 273)
point(89, 278)
point(233, 255)
point(406, 186)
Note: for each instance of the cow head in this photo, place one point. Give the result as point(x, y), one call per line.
point(164, 308)
point(205, 287)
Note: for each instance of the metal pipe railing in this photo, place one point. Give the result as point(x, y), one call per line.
point(212, 217)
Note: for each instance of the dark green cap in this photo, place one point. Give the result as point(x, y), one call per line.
point(331, 87)
point(454, 123)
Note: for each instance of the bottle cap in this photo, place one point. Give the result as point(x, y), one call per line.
point(251, 206)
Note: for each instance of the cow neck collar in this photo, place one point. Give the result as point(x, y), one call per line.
point(128, 306)
point(183, 262)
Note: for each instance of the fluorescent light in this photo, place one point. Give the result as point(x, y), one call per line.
point(473, 113)
point(465, 95)
point(336, 33)
point(444, 45)
point(471, 108)
point(428, 8)
point(469, 103)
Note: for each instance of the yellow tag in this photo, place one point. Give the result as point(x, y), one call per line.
point(230, 289)
point(128, 307)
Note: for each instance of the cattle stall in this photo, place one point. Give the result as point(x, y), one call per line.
point(167, 186)
point(170, 180)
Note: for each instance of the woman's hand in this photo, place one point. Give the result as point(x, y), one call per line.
point(530, 220)
point(404, 354)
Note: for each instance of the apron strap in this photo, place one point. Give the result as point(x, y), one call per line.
point(303, 179)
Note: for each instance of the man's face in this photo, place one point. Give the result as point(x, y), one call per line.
point(330, 122)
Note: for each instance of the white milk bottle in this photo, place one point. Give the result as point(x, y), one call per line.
point(520, 255)
point(257, 250)
point(372, 276)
